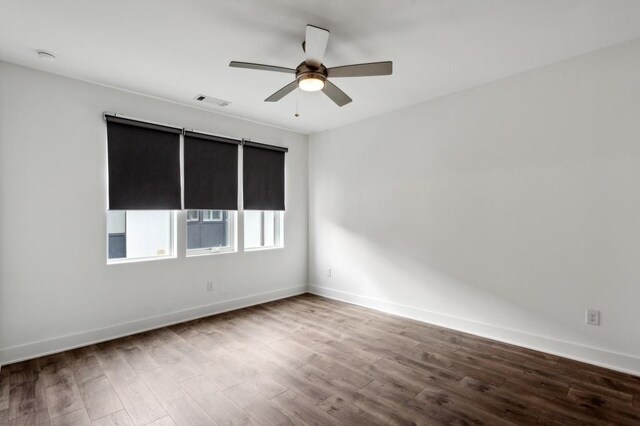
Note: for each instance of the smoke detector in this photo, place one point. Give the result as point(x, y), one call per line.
point(211, 100)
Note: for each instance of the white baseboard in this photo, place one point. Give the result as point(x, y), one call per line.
point(71, 341)
point(597, 356)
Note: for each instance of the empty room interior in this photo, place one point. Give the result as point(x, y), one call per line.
point(291, 212)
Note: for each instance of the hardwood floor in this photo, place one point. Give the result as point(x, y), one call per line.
point(310, 360)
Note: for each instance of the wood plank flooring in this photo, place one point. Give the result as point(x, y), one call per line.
point(308, 360)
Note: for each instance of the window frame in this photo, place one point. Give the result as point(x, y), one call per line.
point(278, 230)
point(232, 232)
point(203, 213)
point(197, 218)
point(173, 239)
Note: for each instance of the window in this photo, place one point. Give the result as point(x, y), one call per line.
point(139, 234)
point(212, 215)
point(213, 233)
point(156, 169)
point(262, 229)
point(193, 215)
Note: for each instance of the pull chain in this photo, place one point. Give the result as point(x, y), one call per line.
point(296, 114)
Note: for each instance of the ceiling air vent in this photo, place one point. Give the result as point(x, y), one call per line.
point(211, 100)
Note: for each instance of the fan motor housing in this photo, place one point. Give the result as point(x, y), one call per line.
point(305, 71)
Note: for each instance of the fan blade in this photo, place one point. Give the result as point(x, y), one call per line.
point(282, 92)
point(262, 67)
point(315, 43)
point(362, 70)
point(335, 94)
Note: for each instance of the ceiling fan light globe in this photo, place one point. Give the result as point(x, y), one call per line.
point(311, 84)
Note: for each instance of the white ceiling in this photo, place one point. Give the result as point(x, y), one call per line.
point(177, 49)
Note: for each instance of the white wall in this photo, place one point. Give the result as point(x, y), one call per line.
point(505, 210)
point(56, 289)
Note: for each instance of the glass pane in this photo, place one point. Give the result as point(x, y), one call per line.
point(252, 229)
point(262, 229)
point(116, 222)
point(209, 215)
point(139, 233)
point(269, 229)
point(116, 229)
point(148, 233)
point(192, 215)
point(212, 232)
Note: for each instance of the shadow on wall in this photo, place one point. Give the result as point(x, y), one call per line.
point(513, 249)
point(514, 203)
point(394, 276)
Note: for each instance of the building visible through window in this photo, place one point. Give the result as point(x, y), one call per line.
point(212, 216)
point(193, 215)
point(210, 230)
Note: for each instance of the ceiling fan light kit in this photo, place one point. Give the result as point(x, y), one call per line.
point(311, 83)
point(312, 75)
point(311, 79)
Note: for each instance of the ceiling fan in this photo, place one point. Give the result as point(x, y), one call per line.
point(312, 76)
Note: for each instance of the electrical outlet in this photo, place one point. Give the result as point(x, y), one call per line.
point(209, 285)
point(593, 317)
point(329, 272)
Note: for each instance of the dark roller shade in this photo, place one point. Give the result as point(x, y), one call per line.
point(263, 176)
point(144, 165)
point(210, 172)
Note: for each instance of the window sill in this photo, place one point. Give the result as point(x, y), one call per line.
point(263, 248)
point(200, 253)
point(138, 260)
